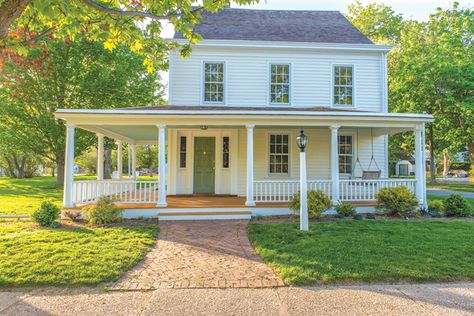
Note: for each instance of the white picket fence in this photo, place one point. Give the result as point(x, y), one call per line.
point(349, 190)
point(122, 191)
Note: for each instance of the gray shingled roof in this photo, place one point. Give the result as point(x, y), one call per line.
point(279, 25)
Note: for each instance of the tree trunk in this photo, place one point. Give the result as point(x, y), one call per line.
point(10, 10)
point(60, 173)
point(445, 163)
point(432, 159)
point(108, 163)
point(53, 173)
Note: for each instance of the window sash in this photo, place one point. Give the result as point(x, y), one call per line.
point(279, 154)
point(182, 151)
point(343, 85)
point(213, 85)
point(225, 152)
point(345, 154)
point(280, 83)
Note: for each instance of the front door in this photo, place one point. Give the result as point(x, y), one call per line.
point(204, 161)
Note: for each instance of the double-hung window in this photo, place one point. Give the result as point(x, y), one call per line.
point(279, 152)
point(279, 83)
point(213, 83)
point(343, 90)
point(345, 151)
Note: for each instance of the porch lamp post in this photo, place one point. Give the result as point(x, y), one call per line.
point(302, 141)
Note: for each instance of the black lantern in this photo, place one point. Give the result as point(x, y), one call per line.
point(302, 140)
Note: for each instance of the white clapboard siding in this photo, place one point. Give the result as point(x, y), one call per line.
point(247, 76)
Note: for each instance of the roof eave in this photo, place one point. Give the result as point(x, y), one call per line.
point(287, 45)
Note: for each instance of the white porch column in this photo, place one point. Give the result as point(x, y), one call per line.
point(334, 164)
point(250, 201)
point(100, 157)
point(162, 165)
point(119, 160)
point(423, 146)
point(303, 193)
point(419, 163)
point(133, 171)
point(69, 167)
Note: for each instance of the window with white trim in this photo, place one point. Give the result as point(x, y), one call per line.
point(279, 151)
point(213, 83)
point(343, 90)
point(345, 152)
point(280, 83)
point(182, 152)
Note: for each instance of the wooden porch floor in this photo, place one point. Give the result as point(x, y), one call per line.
point(208, 201)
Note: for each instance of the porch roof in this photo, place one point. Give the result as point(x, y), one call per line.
point(138, 125)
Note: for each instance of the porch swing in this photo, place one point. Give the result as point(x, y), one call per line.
point(367, 174)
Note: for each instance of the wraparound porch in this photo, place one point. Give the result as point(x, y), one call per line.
point(239, 150)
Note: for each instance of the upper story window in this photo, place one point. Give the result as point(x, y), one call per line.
point(343, 90)
point(213, 82)
point(280, 83)
point(279, 154)
point(345, 154)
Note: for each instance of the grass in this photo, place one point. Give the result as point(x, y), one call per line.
point(23, 196)
point(466, 187)
point(69, 256)
point(368, 251)
point(470, 201)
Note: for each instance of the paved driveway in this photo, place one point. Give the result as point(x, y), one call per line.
point(200, 254)
point(449, 192)
point(423, 299)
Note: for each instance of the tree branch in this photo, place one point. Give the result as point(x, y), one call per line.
point(142, 14)
point(39, 36)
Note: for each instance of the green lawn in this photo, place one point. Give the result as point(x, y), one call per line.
point(466, 187)
point(368, 251)
point(23, 196)
point(69, 256)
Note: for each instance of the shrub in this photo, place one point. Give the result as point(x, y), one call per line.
point(370, 216)
point(318, 202)
point(436, 206)
point(47, 214)
point(104, 212)
point(396, 201)
point(456, 205)
point(358, 217)
point(345, 209)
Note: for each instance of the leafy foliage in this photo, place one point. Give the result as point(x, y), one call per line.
point(345, 209)
point(318, 202)
point(47, 214)
point(58, 74)
point(456, 205)
point(103, 212)
point(436, 206)
point(396, 201)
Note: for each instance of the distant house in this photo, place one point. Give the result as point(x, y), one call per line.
point(236, 106)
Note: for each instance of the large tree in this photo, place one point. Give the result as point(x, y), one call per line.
point(430, 71)
point(63, 74)
point(136, 23)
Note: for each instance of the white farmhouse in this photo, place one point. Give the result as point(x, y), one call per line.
point(227, 138)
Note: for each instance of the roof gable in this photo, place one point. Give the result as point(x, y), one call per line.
point(278, 25)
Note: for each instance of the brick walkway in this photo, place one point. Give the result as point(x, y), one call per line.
point(200, 254)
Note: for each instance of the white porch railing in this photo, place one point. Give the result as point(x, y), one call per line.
point(365, 190)
point(122, 191)
point(349, 190)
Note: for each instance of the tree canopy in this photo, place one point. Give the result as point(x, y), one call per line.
point(63, 74)
point(135, 23)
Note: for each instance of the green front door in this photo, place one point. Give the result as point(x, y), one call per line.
point(204, 160)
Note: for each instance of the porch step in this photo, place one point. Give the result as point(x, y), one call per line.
point(201, 214)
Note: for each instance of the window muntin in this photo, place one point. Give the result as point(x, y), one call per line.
point(213, 83)
point(343, 90)
point(225, 152)
point(182, 152)
point(280, 83)
point(279, 154)
point(345, 153)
